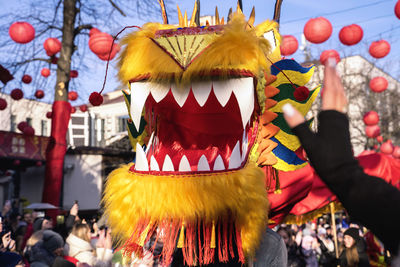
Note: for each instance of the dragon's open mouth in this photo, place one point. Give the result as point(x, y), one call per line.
point(203, 127)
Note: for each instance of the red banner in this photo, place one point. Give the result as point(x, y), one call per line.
point(19, 146)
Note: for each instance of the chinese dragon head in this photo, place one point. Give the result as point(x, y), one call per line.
point(209, 100)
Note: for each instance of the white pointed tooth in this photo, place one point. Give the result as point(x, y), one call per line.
point(141, 161)
point(150, 142)
point(219, 164)
point(236, 160)
point(168, 166)
point(180, 93)
point(159, 90)
point(223, 91)
point(203, 164)
point(244, 92)
point(244, 145)
point(139, 93)
point(154, 164)
point(201, 91)
point(184, 165)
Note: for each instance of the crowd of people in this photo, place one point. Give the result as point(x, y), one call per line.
point(313, 244)
point(32, 240)
point(35, 240)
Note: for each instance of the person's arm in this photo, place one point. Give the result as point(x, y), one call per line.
point(368, 199)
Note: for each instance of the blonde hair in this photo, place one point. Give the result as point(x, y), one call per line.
point(35, 237)
point(81, 230)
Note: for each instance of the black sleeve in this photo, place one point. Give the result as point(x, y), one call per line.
point(368, 199)
point(69, 223)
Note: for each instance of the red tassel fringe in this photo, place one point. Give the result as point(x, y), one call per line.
point(197, 242)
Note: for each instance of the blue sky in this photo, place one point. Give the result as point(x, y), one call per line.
point(376, 17)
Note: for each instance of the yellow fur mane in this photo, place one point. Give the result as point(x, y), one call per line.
point(237, 48)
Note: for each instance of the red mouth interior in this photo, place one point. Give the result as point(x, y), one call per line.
point(194, 131)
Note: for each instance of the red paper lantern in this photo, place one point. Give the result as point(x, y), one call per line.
point(26, 79)
point(327, 54)
point(17, 94)
point(38, 163)
point(73, 110)
point(317, 30)
point(3, 104)
point(387, 147)
point(289, 45)
point(83, 108)
point(29, 131)
point(45, 72)
point(21, 32)
point(378, 84)
point(114, 51)
point(301, 93)
point(100, 43)
point(73, 74)
point(397, 9)
point(52, 46)
point(39, 94)
point(72, 95)
point(379, 49)
point(22, 125)
point(371, 118)
point(351, 35)
point(372, 131)
point(379, 139)
point(93, 31)
point(49, 114)
point(95, 99)
point(16, 162)
point(396, 152)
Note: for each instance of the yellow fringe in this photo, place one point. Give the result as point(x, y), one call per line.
point(212, 242)
point(293, 219)
point(131, 197)
point(181, 240)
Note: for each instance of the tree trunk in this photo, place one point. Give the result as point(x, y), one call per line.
point(61, 112)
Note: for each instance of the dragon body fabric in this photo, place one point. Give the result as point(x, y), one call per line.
point(207, 100)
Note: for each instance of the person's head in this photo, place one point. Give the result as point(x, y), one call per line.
point(10, 259)
point(28, 217)
point(286, 235)
point(322, 232)
point(35, 237)
point(350, 237)
point(53, 242)
point(47, 223)
point(82, 231)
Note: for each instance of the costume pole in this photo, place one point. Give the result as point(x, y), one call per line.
point(277, 10)
point(163, 11)
point(331, 205)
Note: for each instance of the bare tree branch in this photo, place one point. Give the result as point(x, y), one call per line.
point(117, 8)
point(78, 29)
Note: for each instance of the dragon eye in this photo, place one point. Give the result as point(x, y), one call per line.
point(270, 36)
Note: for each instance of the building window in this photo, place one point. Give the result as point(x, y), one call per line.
point(102, 129)
point(122, 123)
point(77, 120)
point(29, 121)
point(43, 127)
point(13, 123)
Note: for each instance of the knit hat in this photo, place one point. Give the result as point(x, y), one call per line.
point(52, 240)
point(353, 232)
point(321, 231)
point(9, 259)
point(37, 224)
